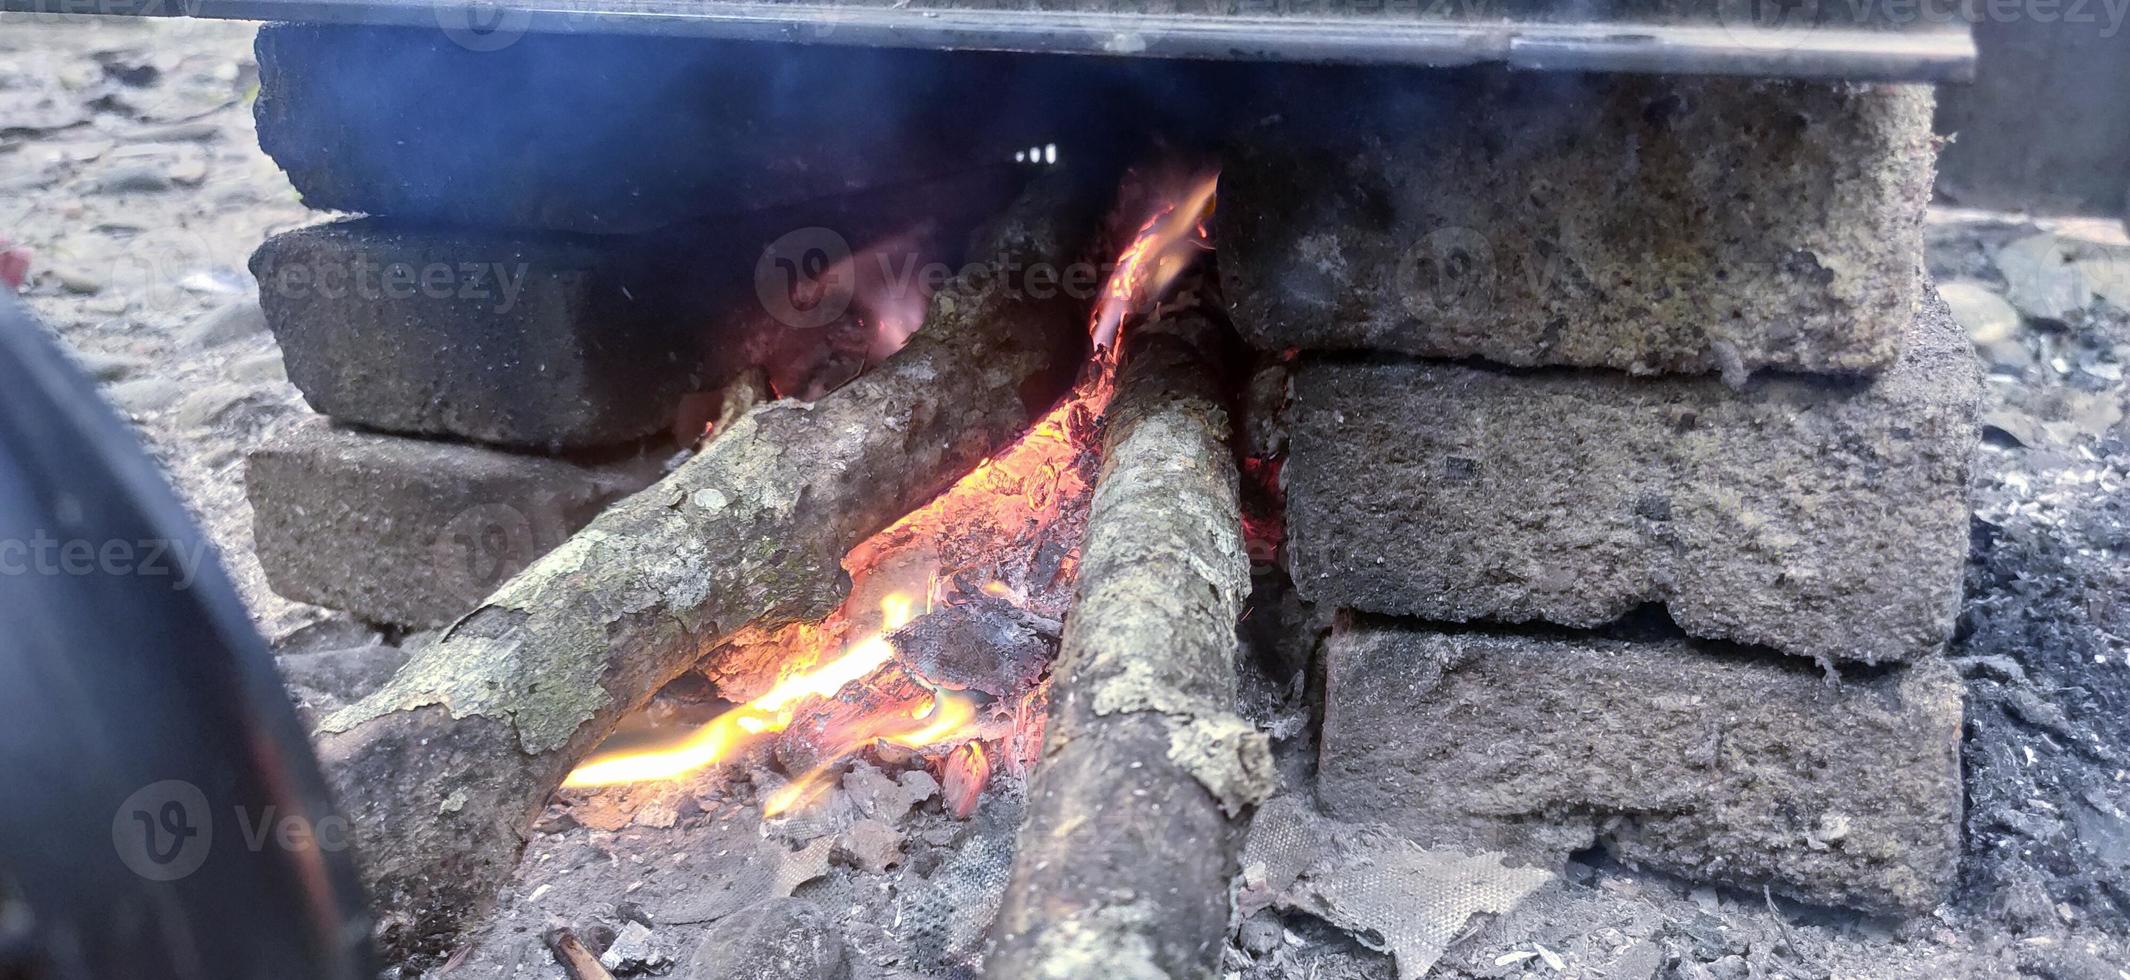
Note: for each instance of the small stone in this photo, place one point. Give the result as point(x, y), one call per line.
point(226, 405)
point(189, 171)
point(107, 368)
point(260, 369)
point(1732, 967)
point(1979, 310)
point(1261, 933)
point(661, 812)
point(781, 939)
point(110, 304)
point(1833, 827)
point(131, 178)
point(142, 396)
point(77, 281)
point(877, 795)
point(336, 632)
point(232, 322)
point(633, 952)
point(349, 675)
point(920, 784)
point(2042, 278)
point(870, 845)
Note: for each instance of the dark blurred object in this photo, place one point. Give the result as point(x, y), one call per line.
point(2044, 126)
point(164, 815)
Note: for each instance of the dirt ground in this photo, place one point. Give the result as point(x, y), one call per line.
point(130, 171)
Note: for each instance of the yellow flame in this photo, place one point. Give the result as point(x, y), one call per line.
point(1154, 259)
point(944, 718)
point(763, 715)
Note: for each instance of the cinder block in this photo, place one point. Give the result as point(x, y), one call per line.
point(1820, 517)
point(543, 341)
point(1741, 768)
point(1644, 223)
point(410, 531)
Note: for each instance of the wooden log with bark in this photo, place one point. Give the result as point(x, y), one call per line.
point(1132, 830)
point(442, 771)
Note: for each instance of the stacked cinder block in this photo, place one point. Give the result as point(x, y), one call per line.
point(539, 286)
point(493, 361)
point(1575, 349)
point(488, 393)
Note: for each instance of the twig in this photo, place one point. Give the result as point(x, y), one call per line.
point(576, 960)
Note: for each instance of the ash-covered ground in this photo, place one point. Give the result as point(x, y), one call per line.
point(130, 171)
point(131, 174)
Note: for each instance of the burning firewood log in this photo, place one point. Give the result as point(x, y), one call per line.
point(442, 771)
point(1131, 834)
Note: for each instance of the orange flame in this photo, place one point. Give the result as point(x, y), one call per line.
point(1164, 247)
point(942, 719)
point(1018, 498)
point(767, 714)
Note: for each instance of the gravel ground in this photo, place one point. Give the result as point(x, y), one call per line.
point(129, 169)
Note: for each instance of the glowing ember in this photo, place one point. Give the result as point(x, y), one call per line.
point(1164, 247)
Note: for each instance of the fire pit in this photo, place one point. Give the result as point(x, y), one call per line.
point(1311, 518)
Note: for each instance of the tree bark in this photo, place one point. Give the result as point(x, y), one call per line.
point(442, 771)
point(1132, 831)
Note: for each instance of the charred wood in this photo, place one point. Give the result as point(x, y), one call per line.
point(575, 958)
point(442, 771)
point(1132, 831)
point(984, 644)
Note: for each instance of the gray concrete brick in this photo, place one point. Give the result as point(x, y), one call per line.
point(1635, 222)
point(1821, 517)
point(543, 341)
point(1739, 768)
point(411, 531)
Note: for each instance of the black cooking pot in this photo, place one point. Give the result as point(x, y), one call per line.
point(161, 815)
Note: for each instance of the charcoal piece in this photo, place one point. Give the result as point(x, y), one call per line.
point(983, 645)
